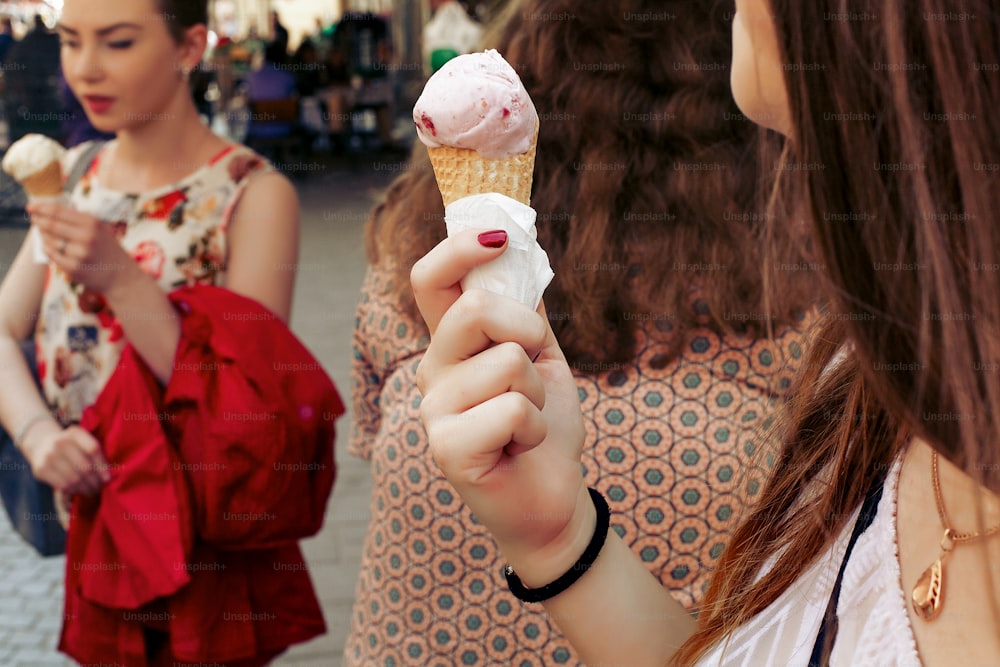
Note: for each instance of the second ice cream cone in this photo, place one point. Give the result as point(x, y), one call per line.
point(462, 172)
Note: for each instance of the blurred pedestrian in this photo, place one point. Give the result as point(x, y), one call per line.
point(449, 33)
point(365, 40)
point(322, 37)
point(272, 82)
point(309, 70)
point(279, 33)
point(32, 84)
point(6, 37)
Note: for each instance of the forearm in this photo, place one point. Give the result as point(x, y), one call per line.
point(615, 614)
point(619, 614)
point(20, 401)
point(148, 320)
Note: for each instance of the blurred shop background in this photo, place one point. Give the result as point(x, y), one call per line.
point(297, 80)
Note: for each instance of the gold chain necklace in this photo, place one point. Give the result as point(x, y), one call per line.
point(928, 594)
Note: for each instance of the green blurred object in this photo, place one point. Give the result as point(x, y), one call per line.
point(440, 56)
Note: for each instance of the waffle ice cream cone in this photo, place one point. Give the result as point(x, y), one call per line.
point(35, 161)
point(480, 128)
point(45, 183)
point(462, 172)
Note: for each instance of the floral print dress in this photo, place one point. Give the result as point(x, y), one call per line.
point(176, 233)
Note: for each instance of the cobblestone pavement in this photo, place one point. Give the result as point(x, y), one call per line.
point(336, 197)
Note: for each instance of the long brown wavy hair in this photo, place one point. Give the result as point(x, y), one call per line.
point(902, 130)
point(644, 181)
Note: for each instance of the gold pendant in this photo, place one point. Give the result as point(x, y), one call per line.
point(928, 594)
point(929, 591)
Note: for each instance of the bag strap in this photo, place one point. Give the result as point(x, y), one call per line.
point(82, 164)
point(820, 656)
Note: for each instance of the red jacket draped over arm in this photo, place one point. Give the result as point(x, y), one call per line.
point(214, 479)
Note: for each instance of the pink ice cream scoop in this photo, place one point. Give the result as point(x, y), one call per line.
point(476, 102)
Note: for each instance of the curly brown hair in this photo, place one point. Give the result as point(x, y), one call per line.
point(645, 178)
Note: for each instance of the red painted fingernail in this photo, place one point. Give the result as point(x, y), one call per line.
point(494, 239)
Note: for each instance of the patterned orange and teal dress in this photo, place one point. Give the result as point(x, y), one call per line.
point(668, 443)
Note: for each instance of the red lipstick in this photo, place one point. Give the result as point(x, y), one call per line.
point(98, 103)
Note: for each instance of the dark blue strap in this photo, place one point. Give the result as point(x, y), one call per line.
point(828, 630)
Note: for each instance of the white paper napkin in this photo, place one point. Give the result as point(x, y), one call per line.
point(38, 251)
point(522, 272)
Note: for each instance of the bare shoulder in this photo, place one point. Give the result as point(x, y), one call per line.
point(263, 239)
point(269, 203)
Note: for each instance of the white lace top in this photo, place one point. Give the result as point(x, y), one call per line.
point(874, 625)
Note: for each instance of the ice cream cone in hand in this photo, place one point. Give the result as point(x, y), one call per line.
point(480, 128)
point(481, 131)
point(44, 183)
point(35, 161)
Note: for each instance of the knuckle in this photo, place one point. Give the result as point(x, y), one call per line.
point(420, 275)
point(538, 331)
point(437, 440)
point(511, 359)
point(521, 409)
point(475, 301)
point(428, 409)
point(438, 456)
point(423, 377)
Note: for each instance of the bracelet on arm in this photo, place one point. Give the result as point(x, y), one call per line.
point(584, 563)
point(27, 426)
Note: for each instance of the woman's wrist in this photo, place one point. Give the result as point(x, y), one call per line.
point(33, 430)
point(579, 568)
point(124, 280)
point(545, 565)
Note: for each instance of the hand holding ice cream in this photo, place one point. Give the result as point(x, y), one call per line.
point(481, 128)
point(35, 161)
point(79, 243)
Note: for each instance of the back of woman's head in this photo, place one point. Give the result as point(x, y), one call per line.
point(894, 150)
point(644, 178)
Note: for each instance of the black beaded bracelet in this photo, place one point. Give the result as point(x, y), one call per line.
point(584, 563)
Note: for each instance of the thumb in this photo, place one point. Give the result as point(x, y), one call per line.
point(436, 277)
point(90, 446)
